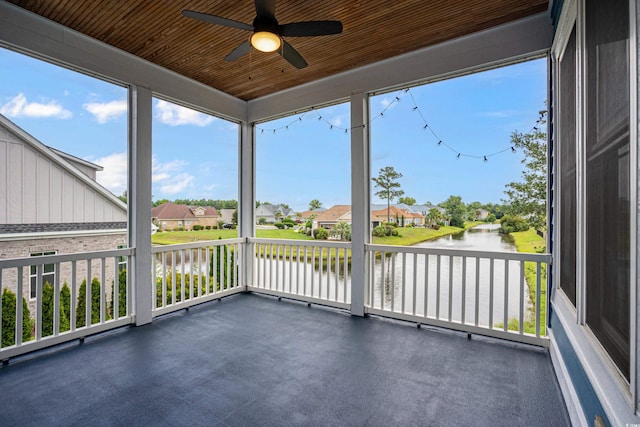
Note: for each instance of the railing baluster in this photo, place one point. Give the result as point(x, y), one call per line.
point(415, 284)
point(313, 265)
point(39, 268)
point(207, 271)
point(506, 295)
point(116, 290)
point(477, 289)
point(74, 281)
point(537, 302)
point(383, 279)
point(522, 294)
point(450, 287)
point(103, 304)
point(321, 269)
point(182, 282)
point(392, 281)
point(191, 278)
point(403, 293)
point(345, 260)
point(491, 278)
point(19, 314)
point(304, 272)
point(426, 284)
point(438, 296)
point(174, 278)
point(463, 310)
point(88, 288)
point(56, 300)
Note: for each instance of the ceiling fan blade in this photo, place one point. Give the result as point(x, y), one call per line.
point(242, 49)
point(292, 56)
point(311, 28)
point(218, 20)
point(265, 8)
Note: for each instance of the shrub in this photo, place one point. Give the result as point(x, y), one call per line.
point(178, 229)
point(512, 224)
point(81, 315)
point(321, 234)
point(262, 221)
point(279, 225)
point(436, 226)
point(384, 231)
point(122, 295)
point(207, 227)
point(457, 221)
point(197, 227)
point(491, 218)
point(289, 222)
point(47, 308)
point(9, 319)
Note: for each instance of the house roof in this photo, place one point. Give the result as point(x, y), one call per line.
point(373, 31)
point(170, 210)
point(316, 212)
point(393, 212)
point(335, 213)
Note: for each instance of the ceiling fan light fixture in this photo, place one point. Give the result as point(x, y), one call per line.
point(265, 41)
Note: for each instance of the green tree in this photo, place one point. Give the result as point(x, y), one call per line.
point(122, 295)
point(234, 217)
point(410, 201)
point(81, 315)
point(456, 210)
point(342, 230)
point(433, 217)
point(123, 196)
point(9, 319)
point(315, 204)
point(528, 198)
point(48, 295)
point(389, 187)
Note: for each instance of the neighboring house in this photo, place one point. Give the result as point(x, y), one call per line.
point(330, 217)
point(306, 215)
point(274, 213)
point(394, 214)
point(226, 215)
point(424, 211)
point(482, 214)
point(52, 204)
point(168, 216)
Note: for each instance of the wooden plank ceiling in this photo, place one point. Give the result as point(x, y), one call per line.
point(373, 30)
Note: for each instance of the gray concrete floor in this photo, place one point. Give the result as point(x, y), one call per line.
point(252, 360)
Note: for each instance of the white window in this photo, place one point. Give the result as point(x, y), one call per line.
point(179, 223)
point(48, 274)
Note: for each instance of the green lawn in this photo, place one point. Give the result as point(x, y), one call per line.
point(529, 241)
point(408, 236)
point(175, 237)
point(411, 235)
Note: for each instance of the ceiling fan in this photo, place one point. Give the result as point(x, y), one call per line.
point(268, 34)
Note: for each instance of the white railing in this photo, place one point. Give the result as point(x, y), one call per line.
point(306, 270)
point(188, 274)
point(90, 293)
point(478, 292)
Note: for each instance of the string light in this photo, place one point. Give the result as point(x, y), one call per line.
point(425, 126)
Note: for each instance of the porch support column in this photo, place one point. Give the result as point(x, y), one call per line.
point(139, 202)
point(634, 144)
point(360, 216)
point(247, 198)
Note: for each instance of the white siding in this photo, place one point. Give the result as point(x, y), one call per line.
point(37, 189)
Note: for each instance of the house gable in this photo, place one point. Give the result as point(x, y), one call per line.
point(41, 187)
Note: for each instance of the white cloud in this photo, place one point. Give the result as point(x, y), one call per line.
point(114, 175)
point(177, 184)
point(103, 112)
point(19, 107)
point(175, 115)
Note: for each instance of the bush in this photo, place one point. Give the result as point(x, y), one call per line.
point(262, 221)
point(512, 224)
point(279, 225)
point(321, 234)
point(289, 222)
point(47, 308)
point(122, 295)
point(457, 221)
point(197, 227)
point(9, 319)
point(491, 218)
point(385, 230)
point(178, 229)
point(207, 227)
point(436, 226)
point(81, 315)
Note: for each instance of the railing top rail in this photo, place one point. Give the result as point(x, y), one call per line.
point(515, 256)
point(53, 259)
point(195, 245)
point(315, 243)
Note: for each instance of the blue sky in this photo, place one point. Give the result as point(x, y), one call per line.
point(195, 155)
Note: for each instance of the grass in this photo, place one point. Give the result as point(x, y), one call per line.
point(175, 237)
point(411, 235)
point(529, 241)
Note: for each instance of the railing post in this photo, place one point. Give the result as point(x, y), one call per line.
point(247, 200)
point(360, 222)
point(140, 202)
